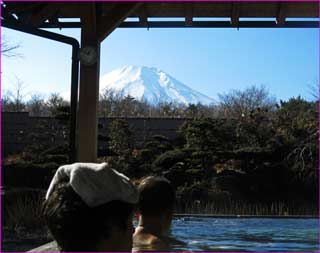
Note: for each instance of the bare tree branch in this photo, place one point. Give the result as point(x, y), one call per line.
point(241, 103)
point(314, 90)
point(9, 49)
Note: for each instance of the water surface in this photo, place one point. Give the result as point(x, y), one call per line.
point(245, 234)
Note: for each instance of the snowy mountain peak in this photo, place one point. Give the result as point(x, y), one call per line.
point(152, 85)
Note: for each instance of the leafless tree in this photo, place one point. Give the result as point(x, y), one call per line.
point(239, 103)
point(36, 105)
point(6, 102)
point(15, 96)
point(314, 90)
point(54, 102)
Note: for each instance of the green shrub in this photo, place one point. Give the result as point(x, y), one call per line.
point(209, 134)
point(152, 145)
point(147, 155)
point(160, 138)
point(169, 158)
point(121, 136)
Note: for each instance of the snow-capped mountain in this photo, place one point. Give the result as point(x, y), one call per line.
point(151, 85)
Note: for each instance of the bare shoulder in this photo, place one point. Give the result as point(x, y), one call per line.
point(156, 240)
point(144, 238)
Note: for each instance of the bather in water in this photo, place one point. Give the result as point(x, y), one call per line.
point(155, 212)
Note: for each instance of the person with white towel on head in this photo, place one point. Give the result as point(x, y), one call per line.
point(89, 207)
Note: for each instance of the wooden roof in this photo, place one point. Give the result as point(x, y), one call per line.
point(48, 14)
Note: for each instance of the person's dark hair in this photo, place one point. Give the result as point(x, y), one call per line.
point(156, 195)
point(76, 226)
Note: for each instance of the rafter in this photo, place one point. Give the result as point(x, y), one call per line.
point(189, 14)
point(110, 22)
point(222, 24)
point(45, 12)
point(106, 8)
point(18, 7)
point(143, 16)
point(235, 14)
point(6, 15)
point(281, 18)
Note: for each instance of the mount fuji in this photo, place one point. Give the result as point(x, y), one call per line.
point(151, 85)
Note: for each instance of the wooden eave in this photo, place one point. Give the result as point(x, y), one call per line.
point(47, 14)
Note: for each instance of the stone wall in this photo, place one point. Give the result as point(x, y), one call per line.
point(17, 127)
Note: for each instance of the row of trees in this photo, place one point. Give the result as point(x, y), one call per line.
point(14, 101)
point(234, 104)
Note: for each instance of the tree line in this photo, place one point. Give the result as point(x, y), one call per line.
point(235, 104)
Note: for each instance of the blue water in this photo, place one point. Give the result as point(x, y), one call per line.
point(240, 234)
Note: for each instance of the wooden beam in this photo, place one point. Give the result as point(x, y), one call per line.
point(189, 14)
point(281, 18)
point(54, 20)
point(89, 20)
point(235, 13)
point(18, 7)
point(45, 12)
point(6, 15)
point(111, 21)
point(143, 17)
point(107, 8)
point(222, 24)
point(87, 137)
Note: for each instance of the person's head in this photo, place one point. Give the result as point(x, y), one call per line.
point(156, 197)
point(89, 208)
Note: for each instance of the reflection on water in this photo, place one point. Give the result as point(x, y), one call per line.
point(254, 234)
point(160, 247)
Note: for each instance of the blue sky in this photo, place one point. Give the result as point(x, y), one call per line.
point(211, 61)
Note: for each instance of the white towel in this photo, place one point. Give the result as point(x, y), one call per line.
point(96, 184)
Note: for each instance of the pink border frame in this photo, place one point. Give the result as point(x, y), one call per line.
point(168, 1)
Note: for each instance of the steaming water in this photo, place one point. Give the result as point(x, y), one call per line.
point(254, 234)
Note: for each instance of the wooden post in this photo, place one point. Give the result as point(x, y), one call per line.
point(94, 31)
point(89, 91)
